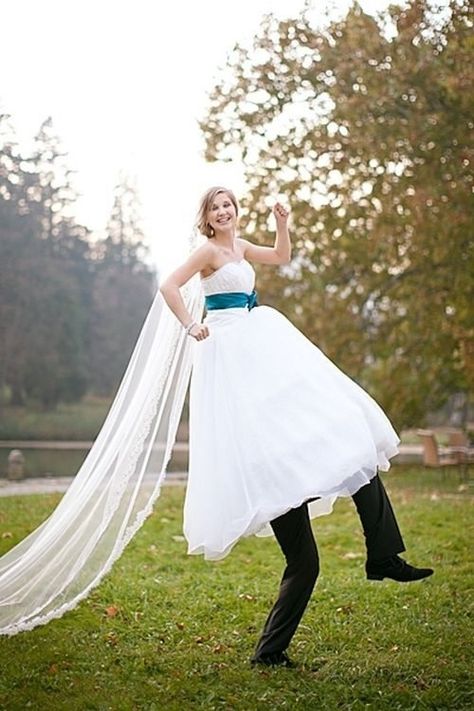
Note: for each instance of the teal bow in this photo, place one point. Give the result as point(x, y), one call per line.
point(231, 299)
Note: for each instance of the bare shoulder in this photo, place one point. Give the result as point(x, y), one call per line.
point(198, 260)
point(243, 244)
point(247, 249)
point(204, 253)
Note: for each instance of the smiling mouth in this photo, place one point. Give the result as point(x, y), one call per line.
point(226, 219)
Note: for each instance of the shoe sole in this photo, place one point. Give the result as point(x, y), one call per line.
point(410, 580)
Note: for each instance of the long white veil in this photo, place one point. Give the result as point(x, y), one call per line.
point(56, 566)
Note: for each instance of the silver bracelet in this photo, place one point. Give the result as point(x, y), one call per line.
point(189, 327)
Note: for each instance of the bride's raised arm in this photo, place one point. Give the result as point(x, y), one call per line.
point(280, 253)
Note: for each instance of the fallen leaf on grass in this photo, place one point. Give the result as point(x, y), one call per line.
point(7, 534)
point(180, 625)
point(246, 596)
point(346, 609)
point(394, 648)
point(352, 556)
point(178, 538)
point(112, 610)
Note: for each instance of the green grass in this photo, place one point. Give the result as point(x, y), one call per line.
point(185, 628)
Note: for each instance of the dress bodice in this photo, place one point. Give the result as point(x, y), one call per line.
point(231, 277)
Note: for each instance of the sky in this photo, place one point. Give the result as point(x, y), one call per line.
point(126, 83)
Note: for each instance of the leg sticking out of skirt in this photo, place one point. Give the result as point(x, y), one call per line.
point(295, 536)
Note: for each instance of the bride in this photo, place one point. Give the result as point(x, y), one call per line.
point(277, 434)
point(277, 431)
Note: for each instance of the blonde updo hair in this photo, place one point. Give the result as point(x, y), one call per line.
point(205, 205)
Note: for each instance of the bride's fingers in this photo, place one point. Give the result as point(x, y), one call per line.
point(280, 209)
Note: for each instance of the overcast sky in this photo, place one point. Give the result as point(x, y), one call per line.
point(125, 83)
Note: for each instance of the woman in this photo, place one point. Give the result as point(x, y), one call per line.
point(277, 431)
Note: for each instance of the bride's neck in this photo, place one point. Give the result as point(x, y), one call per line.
point(225, 240)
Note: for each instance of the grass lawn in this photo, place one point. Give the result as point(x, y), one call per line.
point(169, 631)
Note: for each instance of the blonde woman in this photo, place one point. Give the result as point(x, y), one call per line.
point(277, 431)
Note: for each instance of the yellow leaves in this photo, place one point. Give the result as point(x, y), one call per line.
point(111, 639)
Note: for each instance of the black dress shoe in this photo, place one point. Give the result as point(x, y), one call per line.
point(397, 569)
point(277, 659)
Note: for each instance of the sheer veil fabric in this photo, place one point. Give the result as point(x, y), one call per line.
point(57, 565)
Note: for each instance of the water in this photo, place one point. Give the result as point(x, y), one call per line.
point(66, 462)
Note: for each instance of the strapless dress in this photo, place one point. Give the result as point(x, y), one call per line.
point(273, 423)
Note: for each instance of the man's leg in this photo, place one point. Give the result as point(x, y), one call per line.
point(295, 537)
point(382, 536)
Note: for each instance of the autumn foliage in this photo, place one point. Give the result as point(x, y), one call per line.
point(363, 124)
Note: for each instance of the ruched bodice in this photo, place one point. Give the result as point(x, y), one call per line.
point(232, 276)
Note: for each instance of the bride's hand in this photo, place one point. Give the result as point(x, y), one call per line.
point(199, 331)
point(281, 213)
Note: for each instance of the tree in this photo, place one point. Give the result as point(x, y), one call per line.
point(70, 308)
point(43, 274)
point(366, 133)
point(123, 289)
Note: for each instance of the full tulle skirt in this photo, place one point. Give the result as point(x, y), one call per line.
point(273, 423)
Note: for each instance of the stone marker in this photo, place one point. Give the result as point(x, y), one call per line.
point(16, 465)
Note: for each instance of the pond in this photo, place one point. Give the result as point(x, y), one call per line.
point(66, 462)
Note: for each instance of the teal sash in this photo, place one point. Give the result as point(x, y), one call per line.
point(231, 299)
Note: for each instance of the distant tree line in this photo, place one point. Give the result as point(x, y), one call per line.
point(71, 305)
point(366, 125)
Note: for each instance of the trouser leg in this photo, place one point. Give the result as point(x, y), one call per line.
point(382, 534)
point(295, 537)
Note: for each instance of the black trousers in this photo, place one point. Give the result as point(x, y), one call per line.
point(295, 537)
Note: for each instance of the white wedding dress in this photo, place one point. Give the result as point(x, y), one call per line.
point(273, 423)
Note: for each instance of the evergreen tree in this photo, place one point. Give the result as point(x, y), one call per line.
point(44, 268)
point(123, 289)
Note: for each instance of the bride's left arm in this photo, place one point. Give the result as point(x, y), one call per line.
point(280, 253)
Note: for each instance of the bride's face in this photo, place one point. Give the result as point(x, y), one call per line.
point(222, 215)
